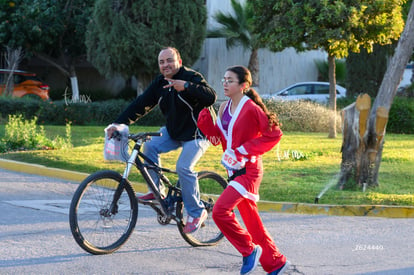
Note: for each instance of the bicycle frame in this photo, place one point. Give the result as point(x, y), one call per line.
point(116, 209)
point(136, 159)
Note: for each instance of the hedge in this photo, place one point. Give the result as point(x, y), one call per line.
point(60, 112)
point(400, 117)
point(293, 115)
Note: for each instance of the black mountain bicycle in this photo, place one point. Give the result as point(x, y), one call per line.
point(104, 209)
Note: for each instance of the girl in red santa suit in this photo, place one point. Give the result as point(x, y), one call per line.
point(246, 130)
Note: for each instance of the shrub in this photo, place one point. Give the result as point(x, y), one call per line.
point(126, 93)
point(60, 113)
point(344, 101)
point(94, 95)
point(365, 71)
point(23, 134)
point(302, 116)
point(401, 116)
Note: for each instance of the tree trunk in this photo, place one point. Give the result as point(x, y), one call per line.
point(364, 127)
point(360, 147)
point(74, 84)
point(254, 67)
point(68, 70)
point(13, 58)
point(9, 84)
point(332, 96)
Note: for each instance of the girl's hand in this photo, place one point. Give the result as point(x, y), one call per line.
point(230, 161)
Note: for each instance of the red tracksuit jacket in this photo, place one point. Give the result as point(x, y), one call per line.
point(248, 132)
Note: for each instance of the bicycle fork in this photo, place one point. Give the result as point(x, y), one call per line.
point(114, 205)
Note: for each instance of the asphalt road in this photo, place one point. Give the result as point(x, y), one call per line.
point(35, 239)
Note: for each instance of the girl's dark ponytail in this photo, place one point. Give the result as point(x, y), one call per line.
point(253, 95)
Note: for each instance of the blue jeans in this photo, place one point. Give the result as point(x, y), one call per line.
point(192, 151)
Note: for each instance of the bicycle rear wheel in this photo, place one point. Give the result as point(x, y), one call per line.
point(94, 227)
point(211, 186)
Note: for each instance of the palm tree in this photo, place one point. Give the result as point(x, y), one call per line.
point(237, 30)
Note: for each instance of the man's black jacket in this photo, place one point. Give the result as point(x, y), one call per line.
point(181, 118)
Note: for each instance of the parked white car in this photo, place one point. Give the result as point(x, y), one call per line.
point(311, 91)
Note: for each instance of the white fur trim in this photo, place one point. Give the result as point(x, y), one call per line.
point(243, 100)
point(242, 150)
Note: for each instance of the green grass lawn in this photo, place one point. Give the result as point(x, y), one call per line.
point(297, 170)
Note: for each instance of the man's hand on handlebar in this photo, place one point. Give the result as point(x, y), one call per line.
point(110, 131)
point(114, 131)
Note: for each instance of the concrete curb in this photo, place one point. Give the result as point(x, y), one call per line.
point(287, 207)
point(384, 211)
point(42, 170)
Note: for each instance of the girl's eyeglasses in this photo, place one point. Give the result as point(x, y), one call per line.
point(227, 81)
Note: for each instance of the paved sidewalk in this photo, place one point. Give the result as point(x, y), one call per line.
point(286, 207)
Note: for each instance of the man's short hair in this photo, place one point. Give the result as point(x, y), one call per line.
point(175, 50)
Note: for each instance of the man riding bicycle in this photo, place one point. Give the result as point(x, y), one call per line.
point(181, 93)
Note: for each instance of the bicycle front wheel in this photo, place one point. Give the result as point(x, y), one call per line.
point(97, 227)
point(211, 186)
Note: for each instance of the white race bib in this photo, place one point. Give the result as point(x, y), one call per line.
point(230, 161)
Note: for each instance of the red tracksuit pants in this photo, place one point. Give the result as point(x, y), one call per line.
point(256, 234)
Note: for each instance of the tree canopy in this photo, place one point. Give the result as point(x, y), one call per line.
point(125, 37)
point(337, 27)
point(237, 29)
point(365, 125)
point(51, 30)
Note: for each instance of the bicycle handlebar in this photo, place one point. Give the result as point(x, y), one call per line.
point(143, 136)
